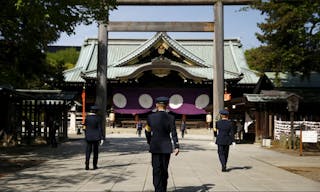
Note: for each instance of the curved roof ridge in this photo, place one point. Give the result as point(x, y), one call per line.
point(183, 50)
point(146, 45)
point(133, 54)
point(234, 56)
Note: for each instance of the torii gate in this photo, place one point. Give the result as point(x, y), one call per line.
point(217, 27)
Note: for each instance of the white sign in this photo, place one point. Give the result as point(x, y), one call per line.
point(308, 136)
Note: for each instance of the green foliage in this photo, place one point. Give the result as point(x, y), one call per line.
point(257, 58)
point(291, 36)
point(27, 27)
point(67, 56)
point(59, 61)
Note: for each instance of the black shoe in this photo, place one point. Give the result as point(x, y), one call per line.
point(95, 167)
point(224, 169)
point(87, 168)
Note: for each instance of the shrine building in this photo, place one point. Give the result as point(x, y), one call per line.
point(139, 70)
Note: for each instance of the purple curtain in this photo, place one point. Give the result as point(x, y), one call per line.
point(142, 100)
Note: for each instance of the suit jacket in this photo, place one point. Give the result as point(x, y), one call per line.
point(159, 126)
point(225, 132)
point(93, 131)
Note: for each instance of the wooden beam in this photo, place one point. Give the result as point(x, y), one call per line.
point(182, 2)
point(162, 26)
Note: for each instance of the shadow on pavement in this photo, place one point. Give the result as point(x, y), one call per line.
point(55, 171)
point(242, 168)
point(202, 188)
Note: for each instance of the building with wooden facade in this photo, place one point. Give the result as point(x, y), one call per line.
point(139, 70)
point(270, 109)
point(27, 115)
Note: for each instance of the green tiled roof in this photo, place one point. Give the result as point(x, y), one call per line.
point(287, 80)
point(151, 42)
point(199, 52)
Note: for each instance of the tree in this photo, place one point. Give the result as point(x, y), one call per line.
point(257, 58)
point(291, 36)
point(68, 57)
point(27, 27)
point(57, 62)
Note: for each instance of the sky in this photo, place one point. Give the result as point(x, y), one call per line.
point(237, 24)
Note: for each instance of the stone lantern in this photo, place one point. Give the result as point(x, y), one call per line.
point(293, 105)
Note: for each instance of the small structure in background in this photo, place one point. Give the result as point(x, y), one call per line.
point(25, 115)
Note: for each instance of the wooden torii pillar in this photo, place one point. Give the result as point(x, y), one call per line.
point(101, 87)
point(218, 77)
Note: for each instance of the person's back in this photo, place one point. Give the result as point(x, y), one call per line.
point(225, 137)
point(93, 135)
point(93, 128)
point(139, 125)
point(139, 128)
point(158, 128)
point(225, 132)
point(162, 124)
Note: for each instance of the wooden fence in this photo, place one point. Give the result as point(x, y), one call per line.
point(33, 118)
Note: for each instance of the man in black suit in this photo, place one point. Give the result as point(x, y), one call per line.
point(158, 128)
point(225, 137)
point(93, 136)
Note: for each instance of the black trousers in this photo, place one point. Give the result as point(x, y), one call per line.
point(160, 163)
point(52, 136)
point(95, 146)
point(223, 152)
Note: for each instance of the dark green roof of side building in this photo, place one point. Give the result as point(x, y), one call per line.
point(288, 80)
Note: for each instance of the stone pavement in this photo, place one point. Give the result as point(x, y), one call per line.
point(124, 165)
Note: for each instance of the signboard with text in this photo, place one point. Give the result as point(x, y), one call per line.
point(308, 136)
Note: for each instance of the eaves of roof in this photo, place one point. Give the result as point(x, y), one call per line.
point(205, 73)
point(40, 94)
point(257, 98)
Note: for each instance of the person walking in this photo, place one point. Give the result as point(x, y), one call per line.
point(239, 128)
point(53, 127)
point(183, 128)
point(139, 127)
point(93, 136)
point(225, 137)
point(158, 128)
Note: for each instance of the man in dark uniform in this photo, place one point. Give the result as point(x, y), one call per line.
point(225, 137)
point(158, 128)
point(53, 127)
point(93, 136)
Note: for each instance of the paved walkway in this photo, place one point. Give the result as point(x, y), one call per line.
point(124, 165)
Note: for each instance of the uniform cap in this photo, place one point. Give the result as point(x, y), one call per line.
point(224, 112)
point(162, 100)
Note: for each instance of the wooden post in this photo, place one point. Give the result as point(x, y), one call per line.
point(257, 125)
point(218, 77)
point(291, 130)
point(300, 140)
point(83, 97)
point(101, 92)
